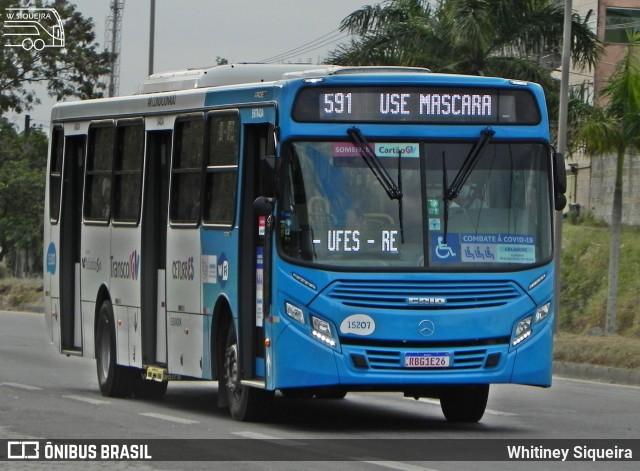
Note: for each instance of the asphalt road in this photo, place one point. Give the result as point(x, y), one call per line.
point(44, 395)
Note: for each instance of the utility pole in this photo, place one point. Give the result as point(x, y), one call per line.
point(114, 33)
point(562, 141)
point(152, 33)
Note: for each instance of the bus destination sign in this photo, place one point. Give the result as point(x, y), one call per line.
point(424, 105)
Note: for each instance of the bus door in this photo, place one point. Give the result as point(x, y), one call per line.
point(70, 249)
point(185, 319)
point(254, 263)
point(154, 248)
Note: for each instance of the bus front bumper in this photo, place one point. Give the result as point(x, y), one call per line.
point(299, 361)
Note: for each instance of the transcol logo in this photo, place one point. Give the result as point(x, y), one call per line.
point(128, 270)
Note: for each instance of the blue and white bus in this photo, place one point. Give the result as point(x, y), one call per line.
point(306, 230)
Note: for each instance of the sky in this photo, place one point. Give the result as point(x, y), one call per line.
point(193, 33)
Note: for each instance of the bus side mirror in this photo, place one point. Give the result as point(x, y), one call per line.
point(559, 181)
point(263, 206)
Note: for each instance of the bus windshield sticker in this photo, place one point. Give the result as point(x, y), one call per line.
point(445, 251)
point(483, 248)
point(381, 149)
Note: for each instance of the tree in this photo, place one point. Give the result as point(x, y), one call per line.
point(74, 70)
point(507, 38)
point(23, 161)
point(614, 127)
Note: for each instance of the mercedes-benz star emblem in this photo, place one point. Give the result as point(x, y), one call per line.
point(426, 328)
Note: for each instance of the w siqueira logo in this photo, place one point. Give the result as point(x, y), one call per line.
point(33, 28)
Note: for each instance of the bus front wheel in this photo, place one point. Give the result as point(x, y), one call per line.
point(464, 403)
point(245, 403)
point(114, 380)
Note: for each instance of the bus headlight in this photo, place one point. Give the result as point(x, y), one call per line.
point(322, 331)
point(542, 312)
point(294, 312)
point(522, 330)
point(524, 327)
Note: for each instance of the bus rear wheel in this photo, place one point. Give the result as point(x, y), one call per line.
point(464, 404)
point(114, 380)
point(245, 403)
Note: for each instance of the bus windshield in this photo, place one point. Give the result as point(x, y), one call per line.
point(336, 213)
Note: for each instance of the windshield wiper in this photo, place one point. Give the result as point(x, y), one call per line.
point(373, 162)
point(470, 162)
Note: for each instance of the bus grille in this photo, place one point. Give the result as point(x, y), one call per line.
point(424, 295)
point(393, 359)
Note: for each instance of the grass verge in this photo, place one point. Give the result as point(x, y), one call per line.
point(610, 350)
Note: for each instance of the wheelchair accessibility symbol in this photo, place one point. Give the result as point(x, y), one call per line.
point(443, 250)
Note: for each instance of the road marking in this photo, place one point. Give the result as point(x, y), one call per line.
point(256, 436)
point(397, 465)
point(599, 383)
point(22, 386)
point(500, 413)
point(89, 400)
point(436, 402)
point(169, 418)
point(262, 436)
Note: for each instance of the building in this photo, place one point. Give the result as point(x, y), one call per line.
point(591, 181)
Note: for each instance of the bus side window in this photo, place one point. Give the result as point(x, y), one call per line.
point(97, 206)
point(186, 170)
point(222, 168)
point(127, 177)
point(55, 172)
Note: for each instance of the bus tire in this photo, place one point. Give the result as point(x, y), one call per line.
point(464, 404)
point(114, 380)
point(245, 403)
point(148, 389)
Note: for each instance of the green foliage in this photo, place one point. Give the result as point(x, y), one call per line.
point(584, 264)
point(23, 161)
point(508, 38)
point(74, 70)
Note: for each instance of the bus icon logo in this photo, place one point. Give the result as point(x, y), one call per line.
point(23, 450)
point(33, 28)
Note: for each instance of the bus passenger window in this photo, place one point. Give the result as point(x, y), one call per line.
point(97, 206)
point(128, 172)
point(186, 172)
point(222, 168)
point(55, 172)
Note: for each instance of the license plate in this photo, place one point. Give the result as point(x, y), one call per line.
point(426, 360)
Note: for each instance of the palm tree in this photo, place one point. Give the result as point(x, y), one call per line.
point(614, 127)
point(508, 38)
